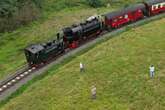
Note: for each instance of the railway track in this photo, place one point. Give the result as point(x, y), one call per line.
point(15, 78)
point(11, 84)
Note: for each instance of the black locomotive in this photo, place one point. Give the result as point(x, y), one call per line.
point(71, 37)
point(41, 53)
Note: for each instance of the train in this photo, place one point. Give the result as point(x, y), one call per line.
point(71, 37)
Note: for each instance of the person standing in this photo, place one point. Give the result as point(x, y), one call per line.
point(93, 92)
point(152, 71)
point(81, 67)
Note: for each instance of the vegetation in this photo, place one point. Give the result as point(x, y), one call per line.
point(9, 7)
point(14, 13)
point(119, 70)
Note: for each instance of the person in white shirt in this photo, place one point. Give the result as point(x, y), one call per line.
point(81, 67)
point(93, 92)
point(152, 71)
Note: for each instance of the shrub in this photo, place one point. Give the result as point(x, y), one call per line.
point(94, 3)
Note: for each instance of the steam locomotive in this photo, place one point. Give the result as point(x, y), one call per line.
point(71, 37)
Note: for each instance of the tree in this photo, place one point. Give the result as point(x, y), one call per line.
point(14, 13)
point(7, 7)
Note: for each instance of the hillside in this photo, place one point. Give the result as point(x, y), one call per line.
point(55, 15)
point(118, 68)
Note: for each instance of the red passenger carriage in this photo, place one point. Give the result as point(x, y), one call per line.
point(119, 18)
point(155, 6)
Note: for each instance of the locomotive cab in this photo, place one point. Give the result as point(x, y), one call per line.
point(72, 33)
point(43, 53)
point(33, 53)
point(100, 18)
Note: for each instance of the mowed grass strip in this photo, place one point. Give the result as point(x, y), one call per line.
point(118, 68)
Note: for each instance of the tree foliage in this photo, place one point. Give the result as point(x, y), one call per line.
point(14, 13)
point(9, 7)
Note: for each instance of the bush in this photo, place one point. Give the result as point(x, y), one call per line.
point(94, 3)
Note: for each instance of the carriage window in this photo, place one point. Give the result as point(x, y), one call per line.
point(159, 6)
point(115, 20)
point(120, 17)
point(126, 16)
point(154, 7)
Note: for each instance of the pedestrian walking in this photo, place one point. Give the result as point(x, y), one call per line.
point(81, 67)
point(152, 71)
point(93, 92)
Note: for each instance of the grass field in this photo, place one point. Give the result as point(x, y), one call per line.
point(118, 68)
